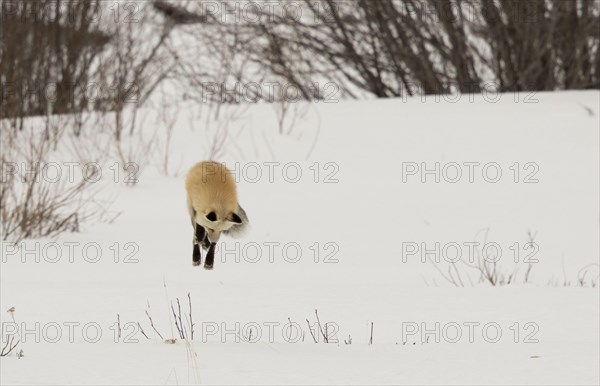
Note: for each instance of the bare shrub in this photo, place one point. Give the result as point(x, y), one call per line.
point(183, 323)
point(218, 121)
point(323, 329)
point(31, 203)
point(388, 48)
point(46, 57)
point(168, 120)
point(71, 57)
point(588, 275)
point(11, 345)
point(486, 269)
point(135, 63)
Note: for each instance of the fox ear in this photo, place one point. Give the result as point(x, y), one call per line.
point(235, 218)
point(212, 216)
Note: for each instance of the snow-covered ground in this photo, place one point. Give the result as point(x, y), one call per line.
point(342, 208)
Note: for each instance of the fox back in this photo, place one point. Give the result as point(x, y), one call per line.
point(213, 204)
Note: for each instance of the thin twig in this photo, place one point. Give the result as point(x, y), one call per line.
point(152, 325)
point(180, 322)
point(10, 347)
point(176, 323)
point(119, 326)
point(311, 332)
point(320, 328)
point(191, 321)
point(142, 330)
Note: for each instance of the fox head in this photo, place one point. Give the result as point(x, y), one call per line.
point(217, 221)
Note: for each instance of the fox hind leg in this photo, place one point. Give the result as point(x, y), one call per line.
point(199, 236)
point(199, 233)
point(202, 237)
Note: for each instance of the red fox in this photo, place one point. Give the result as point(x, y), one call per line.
point(213, 207)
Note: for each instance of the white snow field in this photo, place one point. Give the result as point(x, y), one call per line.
point(345, 237)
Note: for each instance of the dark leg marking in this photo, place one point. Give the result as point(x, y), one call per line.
point(200, 233)
point(210, 256)
point(206, 243)
point(196, 257)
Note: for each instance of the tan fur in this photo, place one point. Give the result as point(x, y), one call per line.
point(211, 187)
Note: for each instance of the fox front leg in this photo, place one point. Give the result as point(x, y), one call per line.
point(199, 236)
point(210, 256)
point(196, 257)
